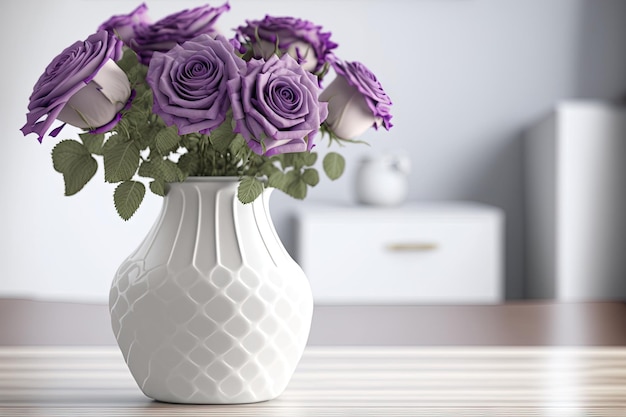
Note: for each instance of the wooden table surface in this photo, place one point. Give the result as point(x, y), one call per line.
point(340, 381)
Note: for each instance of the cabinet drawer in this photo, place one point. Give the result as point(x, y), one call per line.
point(382, 256)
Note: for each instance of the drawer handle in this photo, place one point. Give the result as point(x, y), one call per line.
point(412, 247)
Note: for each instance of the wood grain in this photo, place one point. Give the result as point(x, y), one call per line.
point(527, 323)
point(340, 381)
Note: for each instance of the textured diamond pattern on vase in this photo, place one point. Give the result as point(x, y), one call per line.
point(210, 308)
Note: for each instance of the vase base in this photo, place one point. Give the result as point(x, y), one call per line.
point(241, 400)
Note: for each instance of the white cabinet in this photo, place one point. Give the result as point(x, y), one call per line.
point(417, 253)
point(576, 203)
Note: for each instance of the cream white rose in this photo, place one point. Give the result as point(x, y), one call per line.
point(348, 113)
point(356, 101)
point(100, 100)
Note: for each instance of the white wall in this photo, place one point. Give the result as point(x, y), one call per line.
point(466, 77)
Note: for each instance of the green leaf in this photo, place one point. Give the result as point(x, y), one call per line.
point(162, 169)
point(265, 166)
point(65, 153)
point(137, 74)
point(291, 183)
point(189, 164)
point(72, 159)
point(287, 160)
point(222, 137)
point(249, 189)
point(142, 107)
point(238, 146)
point(297, 188)
point(93, 142)
point(167, 140)
point(127, 198)
point(129, 60)
point(158, 187)
point(311, 177)
point(278, 179)
point(121, 159)
point(334, 165)
point(309, 158)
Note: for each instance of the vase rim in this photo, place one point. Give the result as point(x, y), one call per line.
point(210, 178)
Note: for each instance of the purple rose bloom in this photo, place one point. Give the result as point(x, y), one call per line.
point(356, 101)
point(189, 83)
point(125, 26)
point(175, 29)
point(299, 38)
point(82, 86)
point(276, 107)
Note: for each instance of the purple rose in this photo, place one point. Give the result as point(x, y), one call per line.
point(175, 29)
point(356, 101)
point(82, 86)
point(125, 26)
point(276, 107)
point(299, 38)
point(189, 83)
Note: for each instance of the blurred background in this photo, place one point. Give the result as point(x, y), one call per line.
point(468, 79)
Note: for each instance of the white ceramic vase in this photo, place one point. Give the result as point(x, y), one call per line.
point(211, 309)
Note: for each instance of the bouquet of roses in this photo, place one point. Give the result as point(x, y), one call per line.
point(162, 101)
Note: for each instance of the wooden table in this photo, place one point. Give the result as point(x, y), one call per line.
point(339, 381)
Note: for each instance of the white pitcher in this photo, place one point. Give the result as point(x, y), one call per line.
point(383, 180)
